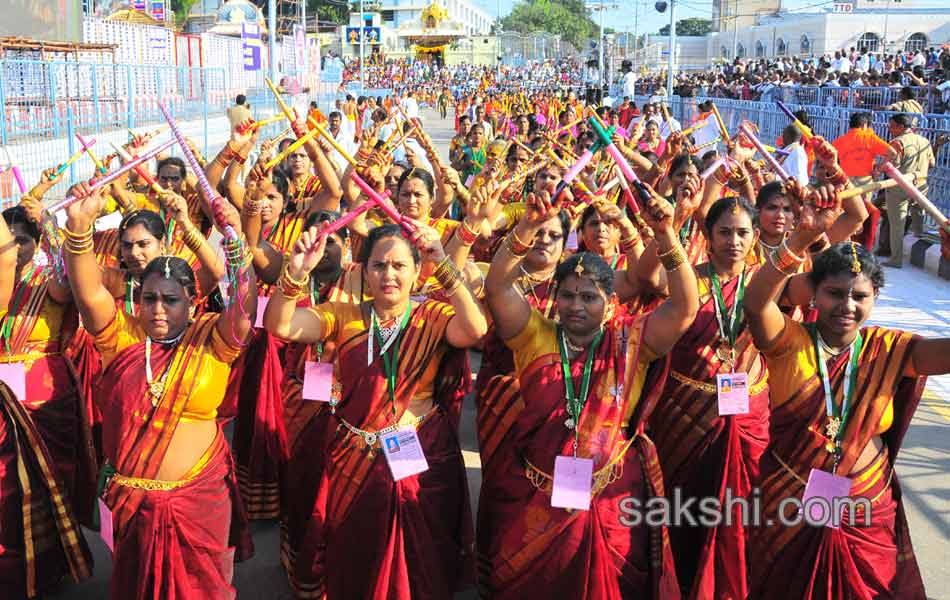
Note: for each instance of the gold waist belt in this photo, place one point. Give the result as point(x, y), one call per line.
point(371, 438)
point(152, 485)
point(710, 388)
point(609, 473)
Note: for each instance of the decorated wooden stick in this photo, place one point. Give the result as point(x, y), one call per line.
point(867, 188)
point(262, 123)
point(290, 113)
point(696, 149)
point(144, 174)
point(351, 216)
point(559, 162)
point(203, 183)
point(87, 146)
point(108, 178)
point(290, 149)
point(773, 164)
point(917, 195)
point(62, 168)
point(695, 127)
point(145, 137)
point(281, 135)
point(329, 138)
point(807, 133)
point(722, 125)
point(712, 168)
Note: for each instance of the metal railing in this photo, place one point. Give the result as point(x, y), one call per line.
point(828, 122)
point(46, 103)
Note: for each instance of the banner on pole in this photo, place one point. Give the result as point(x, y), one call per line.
point(251, 36)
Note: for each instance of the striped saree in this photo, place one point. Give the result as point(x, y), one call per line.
point(367, 536)
point(537, 551)
point(705, 455)
point(854, 562)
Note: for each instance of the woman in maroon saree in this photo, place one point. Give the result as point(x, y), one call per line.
point(843, 395)
point(47, 475)
point(536, 549)
point(704, 453)
point(169, 489)
point(371, 535)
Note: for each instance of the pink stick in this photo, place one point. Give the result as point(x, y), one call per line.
point(578, 166)
point(19, 179)
point(916, 194)
point(622, 163)
point(712, 168)
point(110, 177)
point(386, 207)
point(350, 216)
point(774, 164)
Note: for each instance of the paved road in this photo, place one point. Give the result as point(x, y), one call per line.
point(912, 300)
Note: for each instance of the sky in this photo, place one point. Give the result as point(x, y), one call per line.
point(649, 20)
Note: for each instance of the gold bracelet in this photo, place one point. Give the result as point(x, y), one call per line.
point(192, 238)
point(786, 261)
point(78, 246)
point(447, 274)
point(290, 287)
point(466, 234)
point(252, 208)
point(72, 235)
point(673, 259)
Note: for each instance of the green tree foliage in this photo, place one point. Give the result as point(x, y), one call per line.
point(691, 26)
point(568, 18)
point(181, 8)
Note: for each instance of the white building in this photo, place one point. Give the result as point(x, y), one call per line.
point(474, 20)
point(877, 25)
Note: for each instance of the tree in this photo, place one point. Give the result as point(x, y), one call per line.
point(568, 18)
point(334, 11)
point(691, 26)
point(181, 8)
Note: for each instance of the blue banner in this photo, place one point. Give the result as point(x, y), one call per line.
point(251, 35)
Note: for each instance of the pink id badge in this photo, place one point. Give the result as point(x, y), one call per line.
point(105, 525)
point(733, 392)
point(14, 375)
point(261, 307)
point(317, 381)
point(825, 497)
point(404, 453)
point(573, 478)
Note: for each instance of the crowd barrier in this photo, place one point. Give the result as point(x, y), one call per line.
point(828, 122)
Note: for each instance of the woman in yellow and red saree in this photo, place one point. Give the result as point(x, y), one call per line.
point(47, 471)
point(602, 367)
point(707, 449)
point(169, 482)
point(379, 531)
point(843, 395)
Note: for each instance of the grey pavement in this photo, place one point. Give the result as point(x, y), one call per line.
point(912, 300)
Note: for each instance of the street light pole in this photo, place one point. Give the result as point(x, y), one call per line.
point(362, 51)
point(272, 37)
point(669, 75)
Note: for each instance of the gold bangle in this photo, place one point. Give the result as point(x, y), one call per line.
point(78, 247)
point(72, 235)
point(192, 238)
point(466, 234)
point(289, 287)
point(447, 274)
point(673, 259)
point(252, 208)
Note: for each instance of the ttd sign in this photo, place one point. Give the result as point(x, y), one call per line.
point(843, 7)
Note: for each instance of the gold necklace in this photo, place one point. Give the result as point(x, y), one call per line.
point(157, 388)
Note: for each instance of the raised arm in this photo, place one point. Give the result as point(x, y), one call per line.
point(469, 324)
point(237, 319)
point(282, 317)
point(212, 268)
point(96, 305)
point(8, 253)
point(760, 304)
point(671, 320)
point(508, 307)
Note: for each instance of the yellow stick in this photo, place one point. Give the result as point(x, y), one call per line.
point(722, 125)
point(290, 149)
point(267, 121)
point(326, 134)
point(867, 188)
point(288, 112)
point(698, 125)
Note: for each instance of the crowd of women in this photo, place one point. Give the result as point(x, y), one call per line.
point(697, 329)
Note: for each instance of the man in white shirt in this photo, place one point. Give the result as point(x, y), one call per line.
point(344, 139)
point(629, 80)
point(796, 162)
point(410, 106)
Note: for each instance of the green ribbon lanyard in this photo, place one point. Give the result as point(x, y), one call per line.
point(7, 330)
point(169, 226)
point(129, 291)
point(575, 403)
point(613, 263)
point(730, 325)
point(391, 356)
point(837, 422)
point(314, 292)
